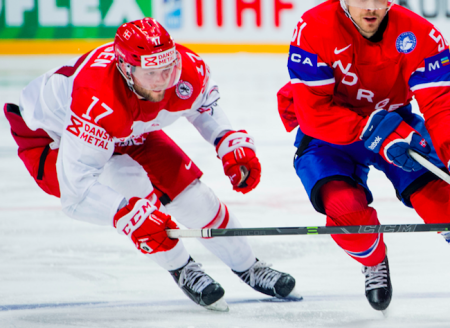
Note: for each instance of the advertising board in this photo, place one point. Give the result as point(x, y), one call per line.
point(75, 26)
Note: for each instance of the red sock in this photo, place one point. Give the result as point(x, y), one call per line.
point(431, 202)
point(347, 205)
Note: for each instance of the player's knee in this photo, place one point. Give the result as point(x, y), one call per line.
point(432, 202)
point(340, 198)
point(346, 205)
point(365, 217)
point(196, 206)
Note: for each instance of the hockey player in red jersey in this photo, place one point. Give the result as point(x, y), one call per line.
point(90, 133)
point(355, 66)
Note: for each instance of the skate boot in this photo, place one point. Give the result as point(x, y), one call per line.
point(269, 281)
point(378, 285)
point(200, 287)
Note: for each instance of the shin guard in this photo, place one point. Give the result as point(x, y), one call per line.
point(347, 205)
point(198, 207)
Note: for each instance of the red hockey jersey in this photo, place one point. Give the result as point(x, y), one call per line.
point(114, 107)
point(338, 77)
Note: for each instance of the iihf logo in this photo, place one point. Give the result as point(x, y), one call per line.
point(406, 42)
point(184, 90)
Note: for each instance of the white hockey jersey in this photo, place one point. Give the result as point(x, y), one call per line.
point(87, 108)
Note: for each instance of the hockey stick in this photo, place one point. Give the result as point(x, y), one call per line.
point(430, 166)
point(282, 231)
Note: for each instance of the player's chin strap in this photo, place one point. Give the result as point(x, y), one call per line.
point(129, 78)
point(126, 75)
point(347, 12)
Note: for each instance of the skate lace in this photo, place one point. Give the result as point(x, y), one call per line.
point(194, 277)
point(376, 276)
point(261, 274)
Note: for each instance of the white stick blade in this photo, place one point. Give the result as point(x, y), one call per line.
point(183, 233)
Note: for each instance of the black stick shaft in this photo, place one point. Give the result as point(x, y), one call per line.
point(393, 228)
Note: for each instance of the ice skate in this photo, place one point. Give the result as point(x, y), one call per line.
point(446, 235)
point(268, 281)
point(200, 287)
point(378, 285)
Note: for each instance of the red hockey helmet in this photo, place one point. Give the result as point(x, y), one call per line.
point(145, 53)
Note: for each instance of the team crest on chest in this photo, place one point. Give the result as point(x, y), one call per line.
point(184, 90)
point(406, 42)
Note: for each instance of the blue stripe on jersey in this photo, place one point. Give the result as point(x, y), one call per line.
point(303, 65)
point(422, 80)
point(435, 73)
point(437, 65)
point(367, 252)
point(302, 61)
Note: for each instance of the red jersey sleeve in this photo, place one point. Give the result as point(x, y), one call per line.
point(431, 86)
point(313, 82)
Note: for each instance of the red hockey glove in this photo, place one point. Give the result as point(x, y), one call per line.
point(146, 226)
point(236, 149)
point(387, 134)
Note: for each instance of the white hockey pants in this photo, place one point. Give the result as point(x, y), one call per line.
point(195, 208)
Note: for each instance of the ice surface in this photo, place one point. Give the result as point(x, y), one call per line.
point(57, 272)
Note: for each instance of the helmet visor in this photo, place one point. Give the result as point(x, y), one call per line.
point(158, 78)
point(370, 4)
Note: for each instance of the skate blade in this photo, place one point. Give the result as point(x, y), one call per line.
point(220, 306)
point(294, 295)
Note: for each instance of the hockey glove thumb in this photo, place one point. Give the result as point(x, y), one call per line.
point(396, 151)
point(145, 226)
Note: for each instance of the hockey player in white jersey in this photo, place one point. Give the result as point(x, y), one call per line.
point(88, 130)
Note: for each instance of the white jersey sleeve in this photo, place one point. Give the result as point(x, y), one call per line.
point(207, 116)
point(43, 104)
point(83, 153)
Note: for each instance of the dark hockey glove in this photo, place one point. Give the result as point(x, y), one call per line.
point(387, 134)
